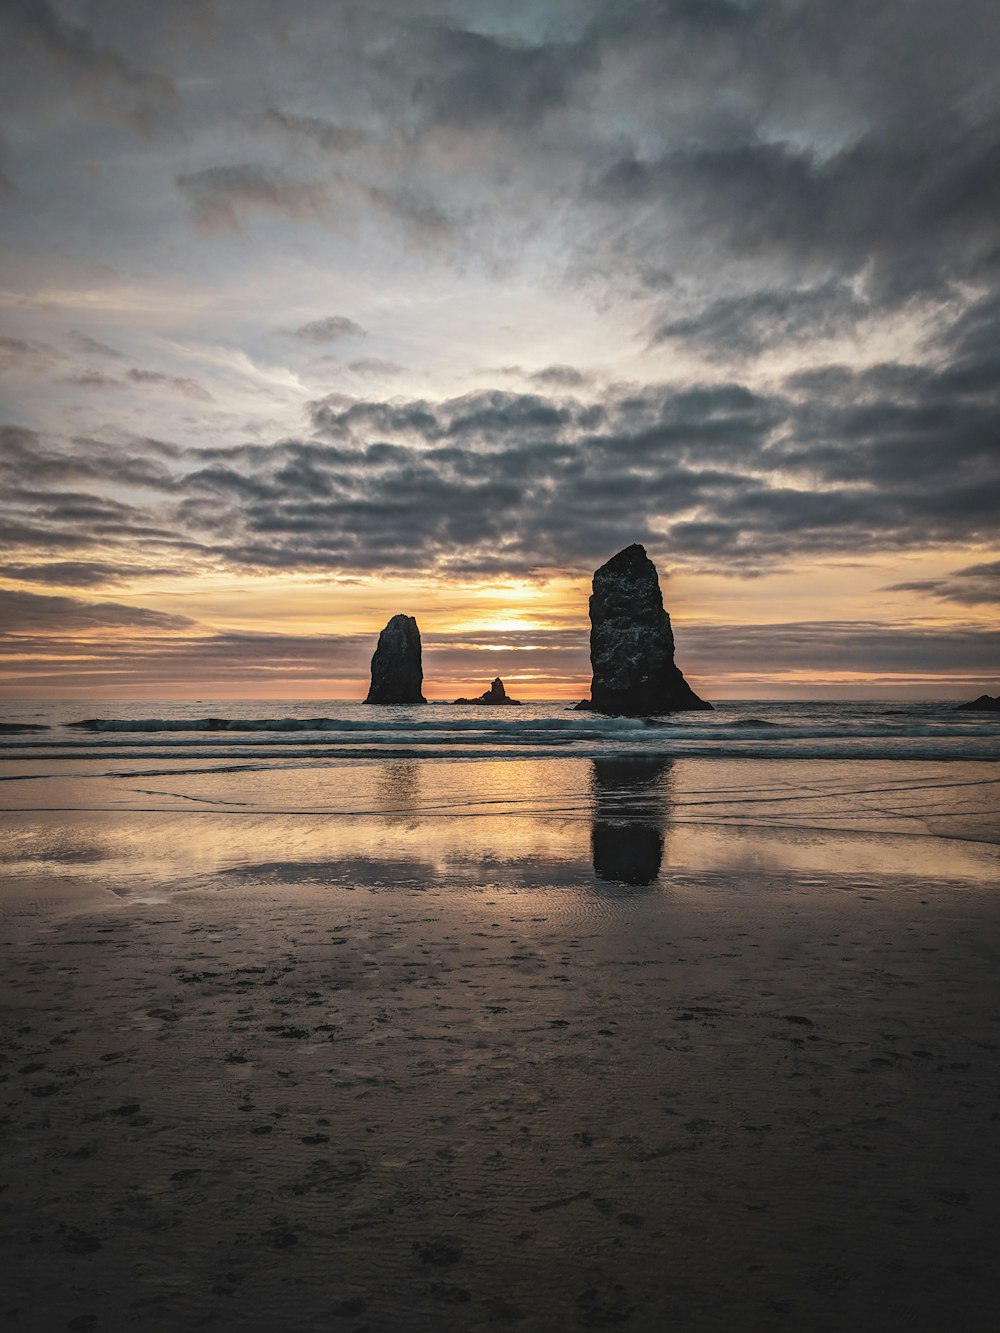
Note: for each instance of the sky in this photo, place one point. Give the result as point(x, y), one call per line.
point(317, 312)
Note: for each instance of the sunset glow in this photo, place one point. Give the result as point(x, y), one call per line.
point(438, 330)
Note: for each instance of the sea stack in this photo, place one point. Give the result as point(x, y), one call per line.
point(632, 644)
point(986, 703)
point(496, 694)
point(397, 670)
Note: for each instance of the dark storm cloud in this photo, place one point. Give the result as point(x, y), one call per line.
point(740, 326)
point(969, 348)
point(221, 197)
point(6, 184)
point(474, 79)
point(758, 152)
point(417, 208)
point(81, 573)
point(181, 384)
point(374, 366)
point(82, 342)
point(550, 377)
point(560, 377)
point(31, 459)
point(97, 379)
point(974, 334)
point(471, 419)
point(751, 176)
point(312, 129)
point(849, 142)
point(868, 647)
point(329, 329)
point(975, 585)
point(716, 476)
point(28, 613)
point(104, 82)
point(19, 354)
point(93, 379)
point(66, 496)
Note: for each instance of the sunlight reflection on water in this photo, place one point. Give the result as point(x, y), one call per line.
point(598, 826)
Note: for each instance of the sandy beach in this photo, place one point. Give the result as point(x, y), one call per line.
point(310, 1093)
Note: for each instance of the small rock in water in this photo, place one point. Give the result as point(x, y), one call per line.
point(986, 703)
point(496, 694)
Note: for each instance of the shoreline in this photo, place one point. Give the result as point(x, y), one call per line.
point(573, 1047)
point(754, 1100)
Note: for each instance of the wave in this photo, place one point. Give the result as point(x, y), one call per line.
point(336, 724)
point(547, 730)
point(402, 753)
point(356, 734)
point(395, 748)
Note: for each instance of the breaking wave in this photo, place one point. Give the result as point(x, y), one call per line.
point(356, 733)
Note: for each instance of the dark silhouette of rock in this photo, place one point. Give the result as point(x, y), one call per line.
point(397, 670)
point(630, 800)
point(632, 644)
point(626, 855)
point(986, 703)
point(496, 694)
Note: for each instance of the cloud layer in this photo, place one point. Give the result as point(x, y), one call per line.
point(480, 290)
point(893, 457)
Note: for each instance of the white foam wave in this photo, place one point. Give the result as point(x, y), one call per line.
point(440, 731)
point(283, 724)
point(578, 727)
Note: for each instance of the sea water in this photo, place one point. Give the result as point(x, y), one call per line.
point(145, 798)
point(317, 732)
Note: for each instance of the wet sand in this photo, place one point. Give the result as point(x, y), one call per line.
point(727, 1100)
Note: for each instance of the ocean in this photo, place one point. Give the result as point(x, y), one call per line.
point(318, 732)
point(142, 797)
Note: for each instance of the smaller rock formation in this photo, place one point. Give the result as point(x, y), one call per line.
point(632, 644)
point(397, 669)
point(986, 703)
point(496, 694)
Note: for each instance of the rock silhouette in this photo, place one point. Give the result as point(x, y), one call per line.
point(397, 670)
point(986, 703)
point(632, 644)
point(496, 694)
point(627, 833)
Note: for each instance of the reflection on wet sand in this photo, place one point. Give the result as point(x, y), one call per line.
point(630, 803)
point(469, 825)
point(397, 792)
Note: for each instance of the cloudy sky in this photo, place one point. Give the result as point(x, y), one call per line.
point(318, 311)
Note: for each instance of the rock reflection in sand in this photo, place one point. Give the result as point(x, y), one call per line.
point(630, 808)
point(397, 791)
point(469, 826)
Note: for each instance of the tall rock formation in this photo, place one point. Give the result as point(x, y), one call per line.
point(632, 644)
point(397, 670)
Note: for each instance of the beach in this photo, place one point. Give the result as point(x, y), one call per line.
point(525, 1044)
point(500, 740)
